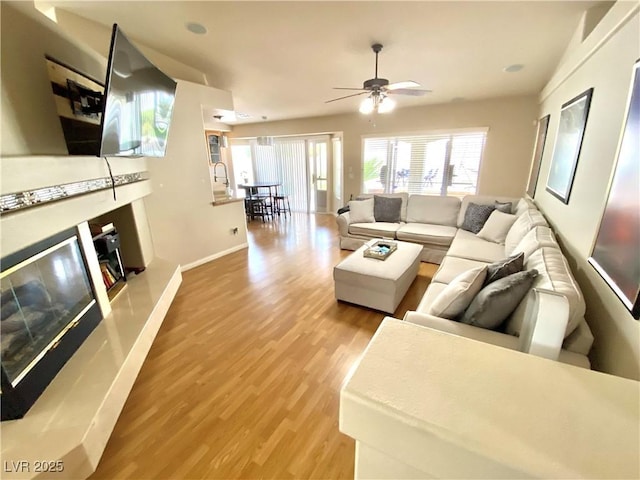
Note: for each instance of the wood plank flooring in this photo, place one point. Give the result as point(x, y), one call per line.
point(243, 378)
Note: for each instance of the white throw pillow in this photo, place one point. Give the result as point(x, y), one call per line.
point(497, 226)
point(456, 297)
point(361, 211)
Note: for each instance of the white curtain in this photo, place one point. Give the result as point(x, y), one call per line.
point(293, 165)
point(284, 162)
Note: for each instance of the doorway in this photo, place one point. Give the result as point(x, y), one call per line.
point(302, 165)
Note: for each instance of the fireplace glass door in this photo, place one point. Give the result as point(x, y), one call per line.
point(44, 297)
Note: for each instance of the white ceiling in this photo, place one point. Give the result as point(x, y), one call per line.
point(281, 59)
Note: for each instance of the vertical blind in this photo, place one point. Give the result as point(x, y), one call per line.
point(283, 162)
point(433, 164)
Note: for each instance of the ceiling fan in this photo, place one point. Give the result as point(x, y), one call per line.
point(379, 89)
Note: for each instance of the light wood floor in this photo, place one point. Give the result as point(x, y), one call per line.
point(244, 376)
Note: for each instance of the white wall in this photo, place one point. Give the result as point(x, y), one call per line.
point(186, 226)
point(603, 62)
point(507, 153)
point(33, 153)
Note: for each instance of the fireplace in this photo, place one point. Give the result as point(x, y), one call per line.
point(48, 308)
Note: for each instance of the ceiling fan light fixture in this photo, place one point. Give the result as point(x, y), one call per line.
point(386, 105)
point(367, 106)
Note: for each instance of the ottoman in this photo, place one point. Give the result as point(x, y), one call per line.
point(377, 284)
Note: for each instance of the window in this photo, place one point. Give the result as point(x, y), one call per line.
point(439, 164)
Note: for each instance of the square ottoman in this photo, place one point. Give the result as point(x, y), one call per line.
point(377, 284)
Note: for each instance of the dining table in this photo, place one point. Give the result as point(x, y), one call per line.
point(259, 198)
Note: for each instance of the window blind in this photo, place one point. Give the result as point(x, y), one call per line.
point(431, 164)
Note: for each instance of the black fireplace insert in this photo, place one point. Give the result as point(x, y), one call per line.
point(47, 309)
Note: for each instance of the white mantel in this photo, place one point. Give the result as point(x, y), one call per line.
point(74, 417)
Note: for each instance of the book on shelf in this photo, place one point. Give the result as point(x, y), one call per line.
point(110, 268)
point(98, 228)
point(107, 276)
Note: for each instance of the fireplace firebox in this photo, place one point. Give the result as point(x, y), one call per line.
point(48, 308)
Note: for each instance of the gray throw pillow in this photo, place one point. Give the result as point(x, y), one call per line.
point(495, 302)
point(475, 216)
point(504, 268)
point(504, 207)
point(387, 209)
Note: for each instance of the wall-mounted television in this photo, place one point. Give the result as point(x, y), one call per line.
point(129, 115)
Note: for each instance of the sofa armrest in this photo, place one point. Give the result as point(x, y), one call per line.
point(463, 330)
point(544, 324)
point(343, 221)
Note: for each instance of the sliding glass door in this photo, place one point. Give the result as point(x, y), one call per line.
point(302, 165)
point(318, 154)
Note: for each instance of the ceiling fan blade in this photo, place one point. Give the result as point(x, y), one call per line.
point(347, 88)
point(405, 84)
point(346, 96)
point(408, 91)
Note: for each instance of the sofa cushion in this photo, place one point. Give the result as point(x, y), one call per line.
point(456, 297)
point(361, 211)
point(375, 229)
point(451, 267)
point(523, 205)
point(433, 209)
point(467, 245)
point(426, 233)
point(497, 226)
point(525, 222)
point(403, 195)
point(495, 302)
point(433, 290)
point(504, 207)
point(386, 209)
point(480, 200)
point(476, 216)
point(487, 336)
point(536, 238)
point(504, 268)
point(555, 275)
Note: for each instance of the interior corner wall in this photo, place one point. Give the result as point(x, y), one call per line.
point(185, 225)
point(608, 71)
point(507, 154)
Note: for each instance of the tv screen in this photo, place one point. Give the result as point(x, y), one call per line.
point(137, 104)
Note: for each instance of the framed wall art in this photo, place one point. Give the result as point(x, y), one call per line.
point(543, 125)
point(573, 121)
point(616, 252)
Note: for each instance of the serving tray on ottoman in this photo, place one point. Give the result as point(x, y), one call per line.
point(376, 284)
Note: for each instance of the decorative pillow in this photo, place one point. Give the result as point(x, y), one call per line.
point(504, 268)
point(387, 209)
point(361, 211)
point(475, 216)
point(497, 226)
point(498, 300)
point(457, 296)
point(504, 207)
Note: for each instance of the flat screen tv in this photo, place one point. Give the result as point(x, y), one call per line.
point(128, 115)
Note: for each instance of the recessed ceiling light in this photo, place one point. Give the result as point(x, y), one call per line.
point(196, 28)
point(516, 67)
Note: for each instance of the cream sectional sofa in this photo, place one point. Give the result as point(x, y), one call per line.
point(434, 222)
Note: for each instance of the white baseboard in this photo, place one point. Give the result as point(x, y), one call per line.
point(204, 260)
